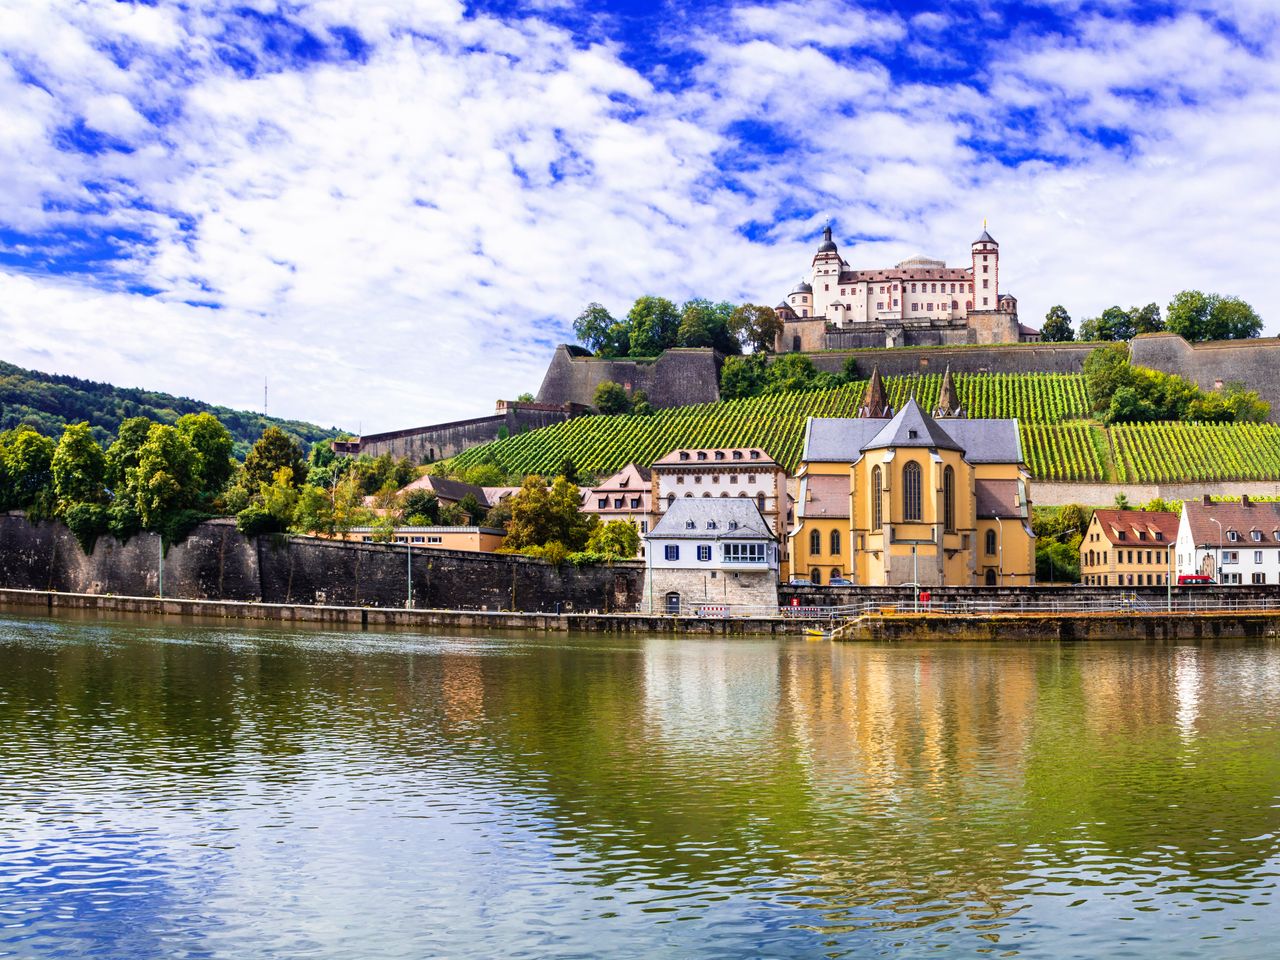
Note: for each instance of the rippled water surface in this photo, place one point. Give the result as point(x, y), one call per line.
point(173, 791)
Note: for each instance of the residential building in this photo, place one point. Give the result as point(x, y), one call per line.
point(1128, 548)
point(1233, 542)
point(743, 473)
point(627, 495)
point(449, 491)
point(710, 552)
point(473, 539)
point(913, 499)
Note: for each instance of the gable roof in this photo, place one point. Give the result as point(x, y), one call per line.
point(1136, 522)
point(912, 427)
point(838, 439)
point(735, 518)
point(449, 490)
point(1238, 516)
point(630, 478)
point(747, 457)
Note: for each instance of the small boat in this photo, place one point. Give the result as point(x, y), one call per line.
point(814, 633)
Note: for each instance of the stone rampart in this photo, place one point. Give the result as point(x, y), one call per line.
point(1006, 358)
point(677, 378)
point(1252, 362)
point(217, 563)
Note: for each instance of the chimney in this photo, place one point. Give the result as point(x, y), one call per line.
point(1244, 500)
point(1204, 500)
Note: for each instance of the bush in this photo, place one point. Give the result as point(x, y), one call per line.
point(88, 521)
point(255, 519)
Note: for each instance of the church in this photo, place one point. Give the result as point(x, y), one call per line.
point(890, 498)
point(919, 302)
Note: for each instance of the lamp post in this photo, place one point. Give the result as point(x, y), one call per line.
point(1218, 567)
point(160, 569)
point(408, 556)
point(1000, 524)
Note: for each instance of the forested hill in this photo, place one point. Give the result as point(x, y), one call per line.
point(47, 402)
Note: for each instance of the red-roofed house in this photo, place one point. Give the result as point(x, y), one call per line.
point(1233, 542)
point(1128, 548)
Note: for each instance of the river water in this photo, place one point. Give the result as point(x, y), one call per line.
point(186, 791)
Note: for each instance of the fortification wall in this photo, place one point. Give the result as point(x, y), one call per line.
point(217, 563)
point(1252, 362)
point(1007, 358)
point(443, 440)
point(1045, 494)
point(677, 378)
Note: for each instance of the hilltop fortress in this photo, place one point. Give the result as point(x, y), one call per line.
point(916, 303)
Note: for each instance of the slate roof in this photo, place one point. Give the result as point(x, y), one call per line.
point(998, 498)
point(912, 427)
point(1238, 516)
point(824, 497)
point(448, 490)
point(701, 511)
point(842, 439)
point(838, 439)
point(1135, 522)
point(986, 441)
point(985, 238)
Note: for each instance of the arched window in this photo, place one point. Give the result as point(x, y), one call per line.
point(673, 602)
point(816, 576)
point(949, 499)
point(835, 572)
point(815, 543)
point(911, 491)
point(991, 578)
point(760, 502)
point(671, 498)
point(877, 520)
point(991, 542)
point(835, 543)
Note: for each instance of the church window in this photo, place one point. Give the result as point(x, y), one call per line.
point(991, 542)
point(835, 543)
point(877, 512)
point(815, 543)
point(911, 491)
point(949, 500)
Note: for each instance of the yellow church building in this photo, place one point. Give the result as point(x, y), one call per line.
point(891, 498)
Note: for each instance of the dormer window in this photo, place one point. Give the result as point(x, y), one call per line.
point(1119, 534)
point(755, 454)
point(702, 455)
point(1142, 534)
point(913, 434)
point(733, 525)
point(1257, 536)
point(737, 454)
point(683, 455)
point(1276, 534)
point(1233, 535)
point(711, 524)
point(690, 525)
point(719, 454)
point(1159, 535)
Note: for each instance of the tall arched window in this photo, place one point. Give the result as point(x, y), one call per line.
point(877, 518)
point(815, 543)
point(760, 502)
point(911, 491)
point(816, 576)
point(991, 542)
point(835, 543)
point(671, 498)
point(949, 500)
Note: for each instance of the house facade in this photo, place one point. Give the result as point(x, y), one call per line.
point(1128, 548)
point(1232, 542)
point(913, 499)
point(628, 496)
point(710, 552)
point(474, 539)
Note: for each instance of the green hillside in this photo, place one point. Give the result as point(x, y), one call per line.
point(48, 402)
point(1059, 443)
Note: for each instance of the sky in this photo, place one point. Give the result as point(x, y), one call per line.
point(392, 210)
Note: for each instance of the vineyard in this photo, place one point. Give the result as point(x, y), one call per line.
point(1160, 452)
point(1057, 442)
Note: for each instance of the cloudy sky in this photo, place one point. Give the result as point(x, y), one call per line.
point(394, 208)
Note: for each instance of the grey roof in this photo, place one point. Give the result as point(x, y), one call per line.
point(701, 511)
point(912, 427)
point(828, 245)
point(985, 238)
point(838, 440)
point(802, 287)
point(986, 441)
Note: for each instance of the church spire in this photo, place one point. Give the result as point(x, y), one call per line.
point(874, 404)
point(948, 401)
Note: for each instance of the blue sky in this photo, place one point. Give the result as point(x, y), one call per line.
point(394, 210)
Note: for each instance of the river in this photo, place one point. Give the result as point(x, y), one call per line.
point(227, 792)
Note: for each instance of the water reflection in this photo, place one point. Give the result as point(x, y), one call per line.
point(229, 793)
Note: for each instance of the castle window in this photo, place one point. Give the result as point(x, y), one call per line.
point(911, 491)
point(986, 284)
point(955, 305)
point(928, 306)
point(991, 543)
point(953, 288)
point(985, 268)
point(879, 304)
point(877, 512)
point(933, 288)
point(815, 543)
point(984, 301)
point(760, 502)
point(984, 258)
point(915, 306)
point(835, 543)
point(895, 303)
point(949, 500)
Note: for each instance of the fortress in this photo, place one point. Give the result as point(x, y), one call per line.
point(916, 303)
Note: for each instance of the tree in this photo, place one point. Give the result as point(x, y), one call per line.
point(611, 399)
point(167, 477)
point(122, 455)
point(541, 515)
point(1197, 317)
point(742, 377)
point(1146, 319)
point(599, 332)
point(706, 324)
point(793, 371)
point(1114, 324)
point(1122, 502)
point(616, 539)
point(756, 327)
point(640, 405)
point(1106, 369)
point(1057, 326)
point(274, 449)
point(214, 444)
point(420, 508)
point(654, 324)
point(526, 398)
point(28, 469)
point(568, 469)
point(314, 511)
point(79, 468)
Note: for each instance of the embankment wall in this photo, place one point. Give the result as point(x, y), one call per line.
point(1044, 494)
point(217, 563)
point(443, 440)
point(677, 378)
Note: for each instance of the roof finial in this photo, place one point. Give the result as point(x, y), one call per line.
point(984, 223)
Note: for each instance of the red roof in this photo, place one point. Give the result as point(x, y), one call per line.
point(717, 457)
point(1137, 525)
point(828, 497)
point(1242, 518)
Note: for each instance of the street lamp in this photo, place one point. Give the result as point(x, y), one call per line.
point(1000, 524)
point(1218, 569)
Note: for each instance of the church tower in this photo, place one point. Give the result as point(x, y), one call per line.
point(986, 271)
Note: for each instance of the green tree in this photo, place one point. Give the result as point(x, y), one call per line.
point(616, 539)
point(122, 455)
point(599, 332)
point(420, 508)
point(541, 515)
point(755, 326)
point(706, 324)
point(274, 449)
point(793, 371)
point(610, 398)
point(167, 477)
point(1057, 326)
point(79, 468)
point(1115, 324)
point(1197, 317)
point(1233, 319)
point(742, 377)
point(526, 398)
point(654, 324)
point(28, 470)
point(1146, 319)
point(314, 512)
point(213, 442)
point(1106, 369)
point(568, 469)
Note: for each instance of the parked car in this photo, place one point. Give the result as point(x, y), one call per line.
point(839, 582)
point(1191, 579)
point(800, 582)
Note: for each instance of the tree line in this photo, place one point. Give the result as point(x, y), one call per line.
point(1193, 315)
point(654, 324)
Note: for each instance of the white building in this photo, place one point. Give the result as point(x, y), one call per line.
point(1233, 542)
point(743, 473)
point(710, 552)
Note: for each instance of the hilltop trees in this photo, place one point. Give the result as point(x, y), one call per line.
point(1196, 316)
point(1057, 326)
point(654, 324)
point(756, 327)
point(1121, 393)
